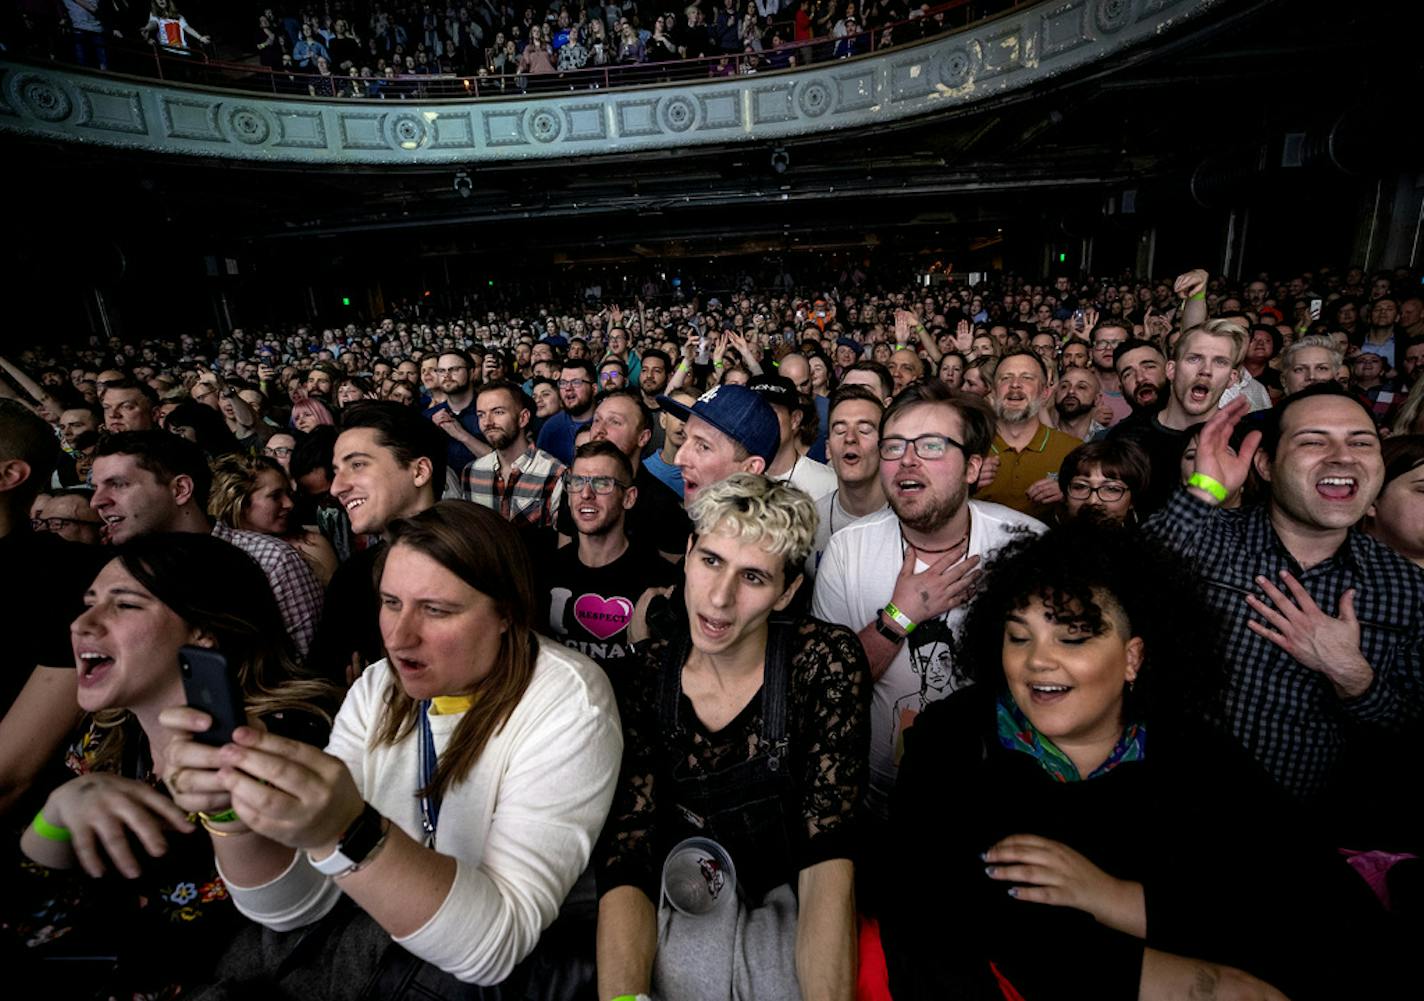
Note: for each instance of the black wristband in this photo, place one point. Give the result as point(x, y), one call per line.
point(884, 629)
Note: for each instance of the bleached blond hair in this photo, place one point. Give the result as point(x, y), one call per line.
point(781, 517)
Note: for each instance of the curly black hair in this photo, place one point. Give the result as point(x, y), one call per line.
point(1086, 572)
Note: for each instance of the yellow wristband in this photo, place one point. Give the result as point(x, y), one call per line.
point(48, 831)
point(1204, 482)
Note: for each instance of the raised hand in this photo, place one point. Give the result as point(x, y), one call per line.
point(1215, 458)
point(1190, 283)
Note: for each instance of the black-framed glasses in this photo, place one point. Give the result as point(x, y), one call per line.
point(59, 524)
point(278, 452)
point(600, 484)
point(927, 446)
point(1108, 492)
point(567, 383)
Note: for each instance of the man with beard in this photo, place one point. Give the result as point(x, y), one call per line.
point(1021, 470)
point(456, 415)
point(1142, 374)
point(662, 463)
point(576, 389)
point(1105, 339)
point(653, 380)
point(1075, 402)
point(516, 479)
point(1203, 366)
point(595, 584)
point(932, 443)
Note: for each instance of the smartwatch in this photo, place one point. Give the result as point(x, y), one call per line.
point(358, 845)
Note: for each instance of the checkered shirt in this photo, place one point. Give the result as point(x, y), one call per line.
point(298, 592)
point(531, 494)
point(1289, 717)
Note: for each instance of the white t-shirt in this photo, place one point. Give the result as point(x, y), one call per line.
point(856, 579)
point(816, 478)
point(831, 517)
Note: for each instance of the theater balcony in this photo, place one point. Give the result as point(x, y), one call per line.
point(225, 112)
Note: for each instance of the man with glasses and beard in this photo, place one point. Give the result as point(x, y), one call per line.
point(1105, 339)
point(576, 389)
point(1204, 364)
point(595, 584)
point(456, 414)
point(1021, 470)
point(932, 444)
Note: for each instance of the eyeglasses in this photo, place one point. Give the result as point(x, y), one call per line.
point(58, 524)
point(1108, 492)
point(568, 383)
point(279, 451)
point(601, 484)
point(610, 376)
point(927, 446)
point(451, 370)
point(1106, 345)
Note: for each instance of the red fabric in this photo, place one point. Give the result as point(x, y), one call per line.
point(1007, 989)
point(872, 983)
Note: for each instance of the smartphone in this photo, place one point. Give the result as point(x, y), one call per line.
point(1315, 305)
point(210, 685)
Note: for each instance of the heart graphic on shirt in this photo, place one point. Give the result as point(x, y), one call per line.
point(604, 617)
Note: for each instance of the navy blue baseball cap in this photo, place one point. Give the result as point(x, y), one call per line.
point(738, 413)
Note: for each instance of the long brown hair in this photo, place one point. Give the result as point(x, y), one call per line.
point(214, 586)
point(483, 550)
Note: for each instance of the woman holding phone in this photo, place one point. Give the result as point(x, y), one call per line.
point(169, 917)
point(467, 776)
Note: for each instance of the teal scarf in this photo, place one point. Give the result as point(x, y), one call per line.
point(1017, 734)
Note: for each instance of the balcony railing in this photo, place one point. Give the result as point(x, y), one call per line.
point(242, 112)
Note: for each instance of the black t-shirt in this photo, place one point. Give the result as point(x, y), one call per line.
point(589, 608)
point(1164, 447)
point(41, 593)
point(350, 619)
point(657, 518)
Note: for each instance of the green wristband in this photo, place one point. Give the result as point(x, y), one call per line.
point(226, 817)
point(48, 831)
point(900, 618)
point(1204, 482)
point(1197, 297)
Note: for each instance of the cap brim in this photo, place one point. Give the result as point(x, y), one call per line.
point(683, 413)
point(679, 410)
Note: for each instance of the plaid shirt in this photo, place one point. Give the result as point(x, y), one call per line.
point(531, 495)
point(298, 592)
point(1286, 715)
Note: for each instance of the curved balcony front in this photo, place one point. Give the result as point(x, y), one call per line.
point(1023, 48)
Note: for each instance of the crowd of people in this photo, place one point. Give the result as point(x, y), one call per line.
point(1028, 639)
point(392, 50)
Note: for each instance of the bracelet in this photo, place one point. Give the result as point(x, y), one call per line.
point(631, 997)
point(48, 831)
point(207, 823)
point(226, 817)
point(682, 366)
point(1197, 296)
point(717, 365)
point(900, 618)
point(1204, 482)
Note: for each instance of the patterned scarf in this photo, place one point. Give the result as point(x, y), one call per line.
point(1017, 734)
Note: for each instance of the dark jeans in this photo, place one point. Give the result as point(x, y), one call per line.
point(91, 48)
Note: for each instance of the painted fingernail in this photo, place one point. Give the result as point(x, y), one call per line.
point(983, 856)
point(988, 870)
point(1013, 891)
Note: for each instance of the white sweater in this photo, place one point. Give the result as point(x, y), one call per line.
point(521, 826)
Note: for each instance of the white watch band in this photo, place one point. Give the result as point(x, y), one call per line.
point(335, 864)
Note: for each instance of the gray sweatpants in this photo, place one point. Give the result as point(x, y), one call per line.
point(733, 954)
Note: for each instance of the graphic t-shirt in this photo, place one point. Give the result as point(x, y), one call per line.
point(590, 607)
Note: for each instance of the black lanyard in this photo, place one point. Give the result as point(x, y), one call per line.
point(429, 805)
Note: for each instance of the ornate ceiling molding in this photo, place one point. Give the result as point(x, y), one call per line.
point(1023, 48)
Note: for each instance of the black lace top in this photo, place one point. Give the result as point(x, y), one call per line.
point(828, 732)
